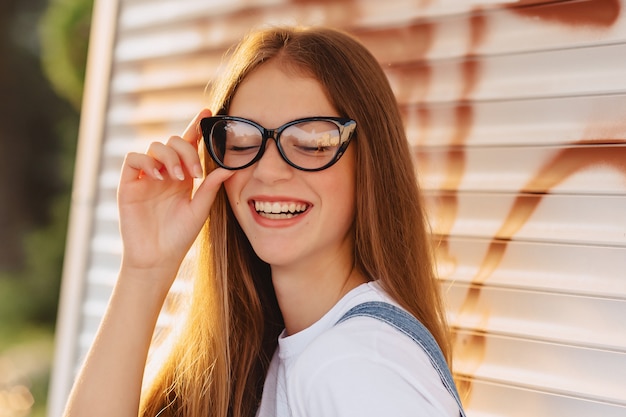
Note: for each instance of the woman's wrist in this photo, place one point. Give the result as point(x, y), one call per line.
point(146, 282)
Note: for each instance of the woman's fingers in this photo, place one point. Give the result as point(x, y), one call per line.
point(174, 158)
point(137, 165)
point(192, 133)
point(173, 155)
point(187, 157)
point(177, 157)
point(206, 192)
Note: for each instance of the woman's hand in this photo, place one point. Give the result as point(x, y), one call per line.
point(159, 217)
point(159, 220)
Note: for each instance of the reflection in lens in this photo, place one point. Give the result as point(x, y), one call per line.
point(236, 142)
point(311, 144)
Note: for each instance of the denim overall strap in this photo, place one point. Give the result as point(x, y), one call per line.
point(410, 326)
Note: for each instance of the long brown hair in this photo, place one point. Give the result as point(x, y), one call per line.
point(218, 365)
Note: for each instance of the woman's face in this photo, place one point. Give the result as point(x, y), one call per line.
point(324, 201)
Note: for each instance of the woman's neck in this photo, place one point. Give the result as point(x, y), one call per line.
point(307, 292)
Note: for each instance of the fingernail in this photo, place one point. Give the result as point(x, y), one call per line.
point(178, 173)
point(157, 174)
point(197, 171)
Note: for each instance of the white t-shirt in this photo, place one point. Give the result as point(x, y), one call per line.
point(361, 367)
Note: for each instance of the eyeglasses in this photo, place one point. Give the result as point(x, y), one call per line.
point(309, 144)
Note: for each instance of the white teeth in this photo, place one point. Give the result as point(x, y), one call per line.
point(279, 210)
point(277, 216)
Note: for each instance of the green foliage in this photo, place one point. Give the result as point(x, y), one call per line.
point(64, 32)
point(44, 254)
point(30, 295)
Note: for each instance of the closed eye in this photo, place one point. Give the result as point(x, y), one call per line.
point(241, 148)
point(315, 149)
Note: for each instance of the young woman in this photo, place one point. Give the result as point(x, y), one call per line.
point(319, 213)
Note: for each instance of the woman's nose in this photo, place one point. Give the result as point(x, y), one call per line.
point(272, 167)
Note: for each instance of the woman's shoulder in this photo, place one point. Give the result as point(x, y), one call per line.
point(366, 355)
point(361, 335)
point(366, 338)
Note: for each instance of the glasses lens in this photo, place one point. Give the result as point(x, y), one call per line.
point(235, 143)
point(311, 144)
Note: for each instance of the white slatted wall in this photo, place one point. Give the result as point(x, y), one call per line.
point(517, 115)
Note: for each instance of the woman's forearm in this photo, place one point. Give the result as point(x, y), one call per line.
point(109, 383)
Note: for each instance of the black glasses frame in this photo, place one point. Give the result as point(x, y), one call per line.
point(346, 132)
